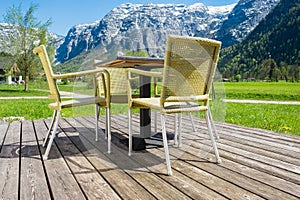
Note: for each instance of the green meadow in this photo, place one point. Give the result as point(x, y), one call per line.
point(275, 117)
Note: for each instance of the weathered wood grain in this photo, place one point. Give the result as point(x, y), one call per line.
point(63, 184)
point(33, 183)
point(257, 164)
point(9, 163)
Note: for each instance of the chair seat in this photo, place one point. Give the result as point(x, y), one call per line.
point(169, 107)
point(78, 102)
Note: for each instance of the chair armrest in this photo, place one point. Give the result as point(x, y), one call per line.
point(103, 77)
point(204, 97)
point(81, 73)
point(145, 73)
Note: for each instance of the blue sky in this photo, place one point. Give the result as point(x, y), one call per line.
point(67, 13)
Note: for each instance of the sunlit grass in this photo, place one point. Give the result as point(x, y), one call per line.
point(18, 90)
point(279, 118)
point(263, 90)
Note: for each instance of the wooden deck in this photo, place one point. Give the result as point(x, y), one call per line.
point(257, 164)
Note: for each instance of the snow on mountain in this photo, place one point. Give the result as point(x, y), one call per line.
point(223, 10)
point(145, 26)
point(78, 39)
point(243, 18)
point(147, 23)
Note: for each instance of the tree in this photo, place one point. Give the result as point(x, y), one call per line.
point(238, 77)
point(28, 33)
point(268, 70)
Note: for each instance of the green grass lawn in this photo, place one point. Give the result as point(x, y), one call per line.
point(285, 91)
point(18, 90)
point(279, 118)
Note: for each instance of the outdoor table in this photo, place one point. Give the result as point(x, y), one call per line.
point(144, 63)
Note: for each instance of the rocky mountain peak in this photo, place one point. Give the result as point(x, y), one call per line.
point(145, 26)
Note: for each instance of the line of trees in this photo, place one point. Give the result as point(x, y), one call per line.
point(271, 51)
point(268, 70)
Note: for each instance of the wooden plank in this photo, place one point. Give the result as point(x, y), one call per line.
point(62, 183)
point(9, 167)
point(256, 164)
point(222, 186)
point(288, 167)
point(250, 169)
point(268, 179)
point(252, 148)
point(137, 170)
point(33, 184)
point(95, 152)
point(249, 182)
point(91, 182)
point(263, 147)
point(263, 152)
point(3, 129)
point(259, 135)
point(277, 181)
point(262, 132)
point(159, 188)
point(266, 141)
point(187, 185)
point(271, 152)
point(264, 137)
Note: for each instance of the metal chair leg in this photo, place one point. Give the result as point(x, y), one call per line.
point(97, 120)
point(179, 129)
point(50, 128)
point(108, 131)
point(212, 138)
point(165, 141)
point(130, 131)
point(193, 123)
point(45, 157)
point(213, 125)
point(155, 122)
point(176, 129)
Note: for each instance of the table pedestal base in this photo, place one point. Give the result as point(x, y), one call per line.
point(154, 141)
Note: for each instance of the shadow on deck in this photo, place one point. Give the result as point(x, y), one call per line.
point(257, 164)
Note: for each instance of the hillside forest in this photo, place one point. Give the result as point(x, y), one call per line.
point(270, 52)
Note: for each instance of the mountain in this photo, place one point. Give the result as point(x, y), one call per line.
point(79, 39)
point(7, 29)
point(146, 25)
point(277, 37)
point(244, 17)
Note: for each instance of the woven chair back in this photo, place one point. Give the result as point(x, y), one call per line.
point(118, 82)
point(190, 64)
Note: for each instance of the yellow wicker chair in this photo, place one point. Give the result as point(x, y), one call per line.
point(99, 75)
point(118, 83)
point(189, 67)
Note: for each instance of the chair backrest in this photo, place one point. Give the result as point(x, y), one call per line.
point(190, 64)
point(118, 84)
point(42, 53)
